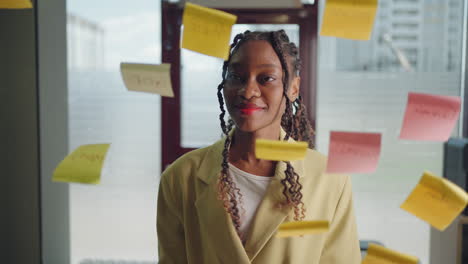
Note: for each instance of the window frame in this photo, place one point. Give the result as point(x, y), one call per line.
point(307, 20)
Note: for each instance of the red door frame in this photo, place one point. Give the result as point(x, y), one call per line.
point(307, 19)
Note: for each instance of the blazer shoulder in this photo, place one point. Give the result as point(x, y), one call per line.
point(186, 163)
point(316, 158)
point(316, 163)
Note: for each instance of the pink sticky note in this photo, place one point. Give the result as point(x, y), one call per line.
point(353, 152)
point(430, 117)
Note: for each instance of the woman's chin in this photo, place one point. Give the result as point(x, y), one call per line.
point(247, 127)
point(251, 126)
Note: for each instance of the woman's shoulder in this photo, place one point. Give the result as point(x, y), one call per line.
point(187, 162)
point(322, 189)
point(316, 157)
point(195, 162)
point(315, 163)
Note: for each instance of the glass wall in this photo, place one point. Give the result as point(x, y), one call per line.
point(363, 85)
point(115, 221)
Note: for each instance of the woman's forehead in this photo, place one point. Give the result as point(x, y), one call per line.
point(258, 52)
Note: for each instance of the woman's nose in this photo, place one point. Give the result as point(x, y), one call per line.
point(250, 89)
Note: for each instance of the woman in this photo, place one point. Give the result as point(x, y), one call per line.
point(220, 204)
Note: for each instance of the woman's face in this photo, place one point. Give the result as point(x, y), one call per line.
point(254, 89)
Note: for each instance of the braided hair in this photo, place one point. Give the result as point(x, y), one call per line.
point(294, 121)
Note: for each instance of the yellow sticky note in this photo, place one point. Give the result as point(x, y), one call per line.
point(83, 165)
point(351, 19)
point(147, 78)
point(207, 30)
point(302, 228)
point(380, 255)
point(280, 150)
point(436, 200)
point(15, 4)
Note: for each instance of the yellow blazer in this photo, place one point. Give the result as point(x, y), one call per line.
point(193, 227)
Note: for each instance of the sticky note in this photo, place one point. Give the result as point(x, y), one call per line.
point(377, 254)
point(280, 150)
point(353, 152)
point(302, 228)
point(351, 19)
point(147, 78)
point(436, 200)
point(430, 117)
point(207, 30)
point(15, 4)
point(83, 165)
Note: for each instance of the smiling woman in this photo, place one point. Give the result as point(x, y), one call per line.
point(240, 200)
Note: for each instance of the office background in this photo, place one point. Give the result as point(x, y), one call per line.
point(61, 88)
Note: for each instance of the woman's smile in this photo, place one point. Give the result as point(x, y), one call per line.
point(249, 108)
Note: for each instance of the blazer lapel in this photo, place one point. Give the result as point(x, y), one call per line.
point(269, 215)
point(215, 222)
point(217, 225)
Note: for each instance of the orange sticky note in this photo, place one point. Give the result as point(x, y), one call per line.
point(207, 30)
point(83, 165)
point(351, 19)
point(430, 117)
point(436, 200)
point(353, 152)
point(380, 255)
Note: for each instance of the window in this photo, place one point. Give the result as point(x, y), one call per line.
point(373, 99)
point(190, 120)
point(115, 220)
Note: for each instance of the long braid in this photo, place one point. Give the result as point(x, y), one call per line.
point(291, 185)
point(228, 192)
point(238, 38)
point(302, 127)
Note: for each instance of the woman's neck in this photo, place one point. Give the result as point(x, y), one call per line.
point(242, 151)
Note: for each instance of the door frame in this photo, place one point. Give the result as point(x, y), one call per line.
point(307, 19)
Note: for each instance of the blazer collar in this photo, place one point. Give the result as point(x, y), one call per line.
point(222, 235)
point(269, 214)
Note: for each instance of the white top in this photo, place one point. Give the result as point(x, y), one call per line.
point(253, 188)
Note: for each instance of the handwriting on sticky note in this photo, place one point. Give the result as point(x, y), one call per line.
point(377, 254)
point(147, 78)
point(351, 19)
point(280, 150)
point(15, 4)
point(83, 165)
point(89, 157)
point(430, 117)
point(436, 200)
point(353, 152)
point(207, 30)
point(301, 228)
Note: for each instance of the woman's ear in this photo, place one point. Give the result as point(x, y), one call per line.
point(293, 91)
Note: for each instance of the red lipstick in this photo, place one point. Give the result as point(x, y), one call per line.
point(248, 109)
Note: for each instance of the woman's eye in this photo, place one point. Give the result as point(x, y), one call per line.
point(234, 77)
point(266, 79)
